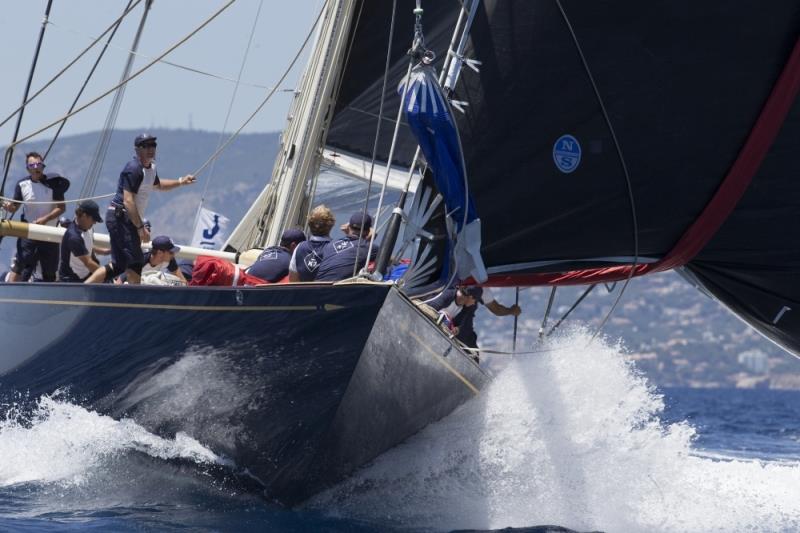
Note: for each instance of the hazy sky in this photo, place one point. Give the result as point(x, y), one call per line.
point(163, 96)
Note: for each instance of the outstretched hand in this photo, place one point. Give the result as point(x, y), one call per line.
point(188, 179)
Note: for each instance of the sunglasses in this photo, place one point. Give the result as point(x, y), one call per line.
point(148, 145)
point(35, 165)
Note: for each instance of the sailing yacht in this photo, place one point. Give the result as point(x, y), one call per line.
point(551, 143)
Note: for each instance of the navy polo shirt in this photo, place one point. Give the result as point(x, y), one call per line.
point(272, 265)
point(308, 256)
point(339, 256)
point(73, 246)
point(130, 179)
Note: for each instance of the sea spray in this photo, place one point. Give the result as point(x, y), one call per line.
point(62, 442)
point(570, 436)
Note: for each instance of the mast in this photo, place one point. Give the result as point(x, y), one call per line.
point(283, 202)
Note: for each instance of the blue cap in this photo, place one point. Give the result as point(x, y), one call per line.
point(144, 138)
point(162, 242)
point(357, 218)
point(293, 235)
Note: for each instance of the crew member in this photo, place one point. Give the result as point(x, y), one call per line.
point(458, 308)
point(160, 262)
point(46, 194)
point(78, 259)
point(124, 220)
point(308, 254)
point(273, 263)
point(339, 257)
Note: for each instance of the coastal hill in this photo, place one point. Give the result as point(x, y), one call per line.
point(676, 335)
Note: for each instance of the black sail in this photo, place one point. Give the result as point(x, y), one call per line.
point(683, 85)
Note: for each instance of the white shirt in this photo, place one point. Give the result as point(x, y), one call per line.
point(143, 196)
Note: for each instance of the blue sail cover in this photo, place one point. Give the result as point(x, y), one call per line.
point(431, 121)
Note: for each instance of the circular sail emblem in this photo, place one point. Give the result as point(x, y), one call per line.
point(567, 153)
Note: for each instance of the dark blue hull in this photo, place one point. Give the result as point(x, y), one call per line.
point(280, 379)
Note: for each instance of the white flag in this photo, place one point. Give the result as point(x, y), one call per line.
point(211, 230)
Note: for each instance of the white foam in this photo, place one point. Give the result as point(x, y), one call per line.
point(62, 442)
point(569, 437)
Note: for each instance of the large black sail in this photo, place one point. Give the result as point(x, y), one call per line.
point(681, 82)
point(684, 85)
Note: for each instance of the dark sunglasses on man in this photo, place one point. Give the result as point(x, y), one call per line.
point(148, 145)
point(38, 164)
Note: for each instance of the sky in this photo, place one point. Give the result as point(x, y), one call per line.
point(163, 96)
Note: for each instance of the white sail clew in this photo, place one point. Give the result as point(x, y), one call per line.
point(284, 202)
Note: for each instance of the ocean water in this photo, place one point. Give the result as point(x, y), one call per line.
point(572, 435)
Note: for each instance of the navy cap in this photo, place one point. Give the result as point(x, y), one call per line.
point(91, 208)
point(472, 290)
point(162, 242)
point(293, 235)
point(144, 138)
point(355, 221)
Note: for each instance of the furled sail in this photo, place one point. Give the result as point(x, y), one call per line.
point(431, 121)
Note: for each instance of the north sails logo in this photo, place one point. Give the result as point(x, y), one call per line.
point(567, 153)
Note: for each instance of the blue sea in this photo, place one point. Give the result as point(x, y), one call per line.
point(571, 435)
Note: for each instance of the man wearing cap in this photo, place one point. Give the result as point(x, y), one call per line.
point(78, 259)
point(161, 259)
point(343, 256)
point(458, 307)
point(124, 220)
point(273, 263)
point(45, 192)
point(308, 254)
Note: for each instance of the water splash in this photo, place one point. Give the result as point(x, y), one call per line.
point(572, 437)
point(62, 442)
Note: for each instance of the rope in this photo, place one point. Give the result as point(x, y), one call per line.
point(63, 70)
point(86, 81)
point(228, 114)
point(169, 63)
point(76, 200)
point(10, 150)
point(93, 174)
point(624, 169)
point(514, 353)
point(266, 99)
point(134, 75)
point(378, 130)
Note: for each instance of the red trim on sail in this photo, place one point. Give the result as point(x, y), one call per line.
point(716, 211)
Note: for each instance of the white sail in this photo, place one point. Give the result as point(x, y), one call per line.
point(284, 202)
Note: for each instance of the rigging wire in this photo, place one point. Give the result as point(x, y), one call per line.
point(624, 169)
point(132, 76)
point(228, 114)
point(165, 62)
point(378, 130)
point(88, 77)
point(93, 174)
point(63, 70)
point(266, 98)
point(10, 150)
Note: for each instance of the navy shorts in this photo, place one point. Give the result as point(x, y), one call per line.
point(126, 247)
point(30, 252)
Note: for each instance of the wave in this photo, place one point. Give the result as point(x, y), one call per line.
point(570, 436)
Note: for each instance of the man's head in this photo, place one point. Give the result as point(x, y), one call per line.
point(291, 238)
point(360, 224)
point(469, 295)
point(162, 249)
point(86, 214)
point(145, 145)
point(35, 165)
point(321, 221)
